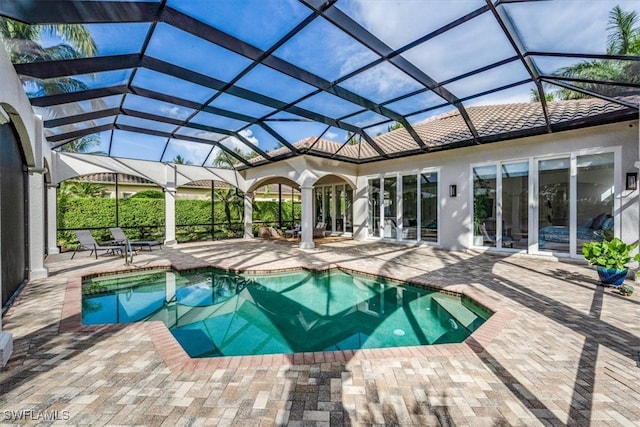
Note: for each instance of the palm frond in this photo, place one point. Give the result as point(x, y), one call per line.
point(78, 36)
point(622, 29)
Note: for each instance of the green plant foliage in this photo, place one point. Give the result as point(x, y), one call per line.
point(626, 290)
point(142, 218)
point(145, 215)
point(267, 211)
point(191, 212)
point(148, 194)
point(609, 253)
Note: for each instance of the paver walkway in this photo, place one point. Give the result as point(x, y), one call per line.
point(564, 351)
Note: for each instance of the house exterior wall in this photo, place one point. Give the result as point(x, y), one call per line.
point(16, 114)
point(455, 168)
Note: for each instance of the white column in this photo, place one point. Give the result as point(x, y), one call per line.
point(37, 214)
point(306, 226)
point(170, 205)
point(248, 215)
point(52, 219)
point(170, 216)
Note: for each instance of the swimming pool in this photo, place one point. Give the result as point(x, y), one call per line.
point(215, 313)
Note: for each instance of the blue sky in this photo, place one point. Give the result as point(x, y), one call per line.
point(556, 26)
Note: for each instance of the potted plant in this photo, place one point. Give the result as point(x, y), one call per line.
point(610, 258)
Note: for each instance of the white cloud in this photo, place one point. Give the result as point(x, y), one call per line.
point(235, 144)
point(174, 112)
point(331, 135)
point(190, 151)
point(576, 26)
point(381, 83)
point(399, 22)
point(248, 135)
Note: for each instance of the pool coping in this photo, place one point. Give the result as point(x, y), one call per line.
point(177, 359)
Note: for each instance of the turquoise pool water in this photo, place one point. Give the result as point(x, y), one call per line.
point(215, 313)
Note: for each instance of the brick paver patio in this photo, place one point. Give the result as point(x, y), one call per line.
point(559, 350)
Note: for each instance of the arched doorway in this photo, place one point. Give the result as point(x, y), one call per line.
point(13, 210)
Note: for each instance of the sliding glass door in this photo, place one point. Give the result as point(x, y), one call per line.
point(501, 205)
point(374, 207)
point(553, 204)
point(577, 208)
point(595, 198)
point(390, 207)
point(407, 204)
point(409, 207)
point(484, 203)
point(515, 205)
point(429, 206)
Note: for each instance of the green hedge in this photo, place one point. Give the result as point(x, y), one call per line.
point(143, 218)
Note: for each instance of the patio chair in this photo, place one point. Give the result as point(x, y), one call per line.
point(88, 243)
point(318, 231)
point(292, 232)
point(120, 237)
point(507, 241)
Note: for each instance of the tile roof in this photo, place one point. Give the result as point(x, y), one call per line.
point(449, 130)
point(106, 177)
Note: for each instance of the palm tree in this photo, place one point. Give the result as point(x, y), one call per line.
point(353, 138)
point(229, 198)
point(624, 36)
point(224, 160)
point(535, 96)
point(83, 145)
point(81, 189)
point(623, 39)
point(179, 160)
point(22, 42)
point(394, 126)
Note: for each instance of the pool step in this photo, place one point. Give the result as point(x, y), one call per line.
point(459, 312)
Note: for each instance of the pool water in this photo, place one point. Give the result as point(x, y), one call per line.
point(215, 313)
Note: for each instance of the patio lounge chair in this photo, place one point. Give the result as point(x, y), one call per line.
point(292, 232)
point(507, 241)
point(120, 238)
point(88, 243)
point(319, 230)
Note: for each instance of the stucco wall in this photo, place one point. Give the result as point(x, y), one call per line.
point(16, 104)
point(455, 168)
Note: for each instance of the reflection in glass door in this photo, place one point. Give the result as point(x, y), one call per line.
point(409, 207)
point(374, 207)
point(390, 207)
point(328, 200)
point(484, 202)
point(553, 205)
point(319, 205)
point(515, 205)
point(429, 206)
point(594, 208)
point(340, 208)
point(348, 219)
